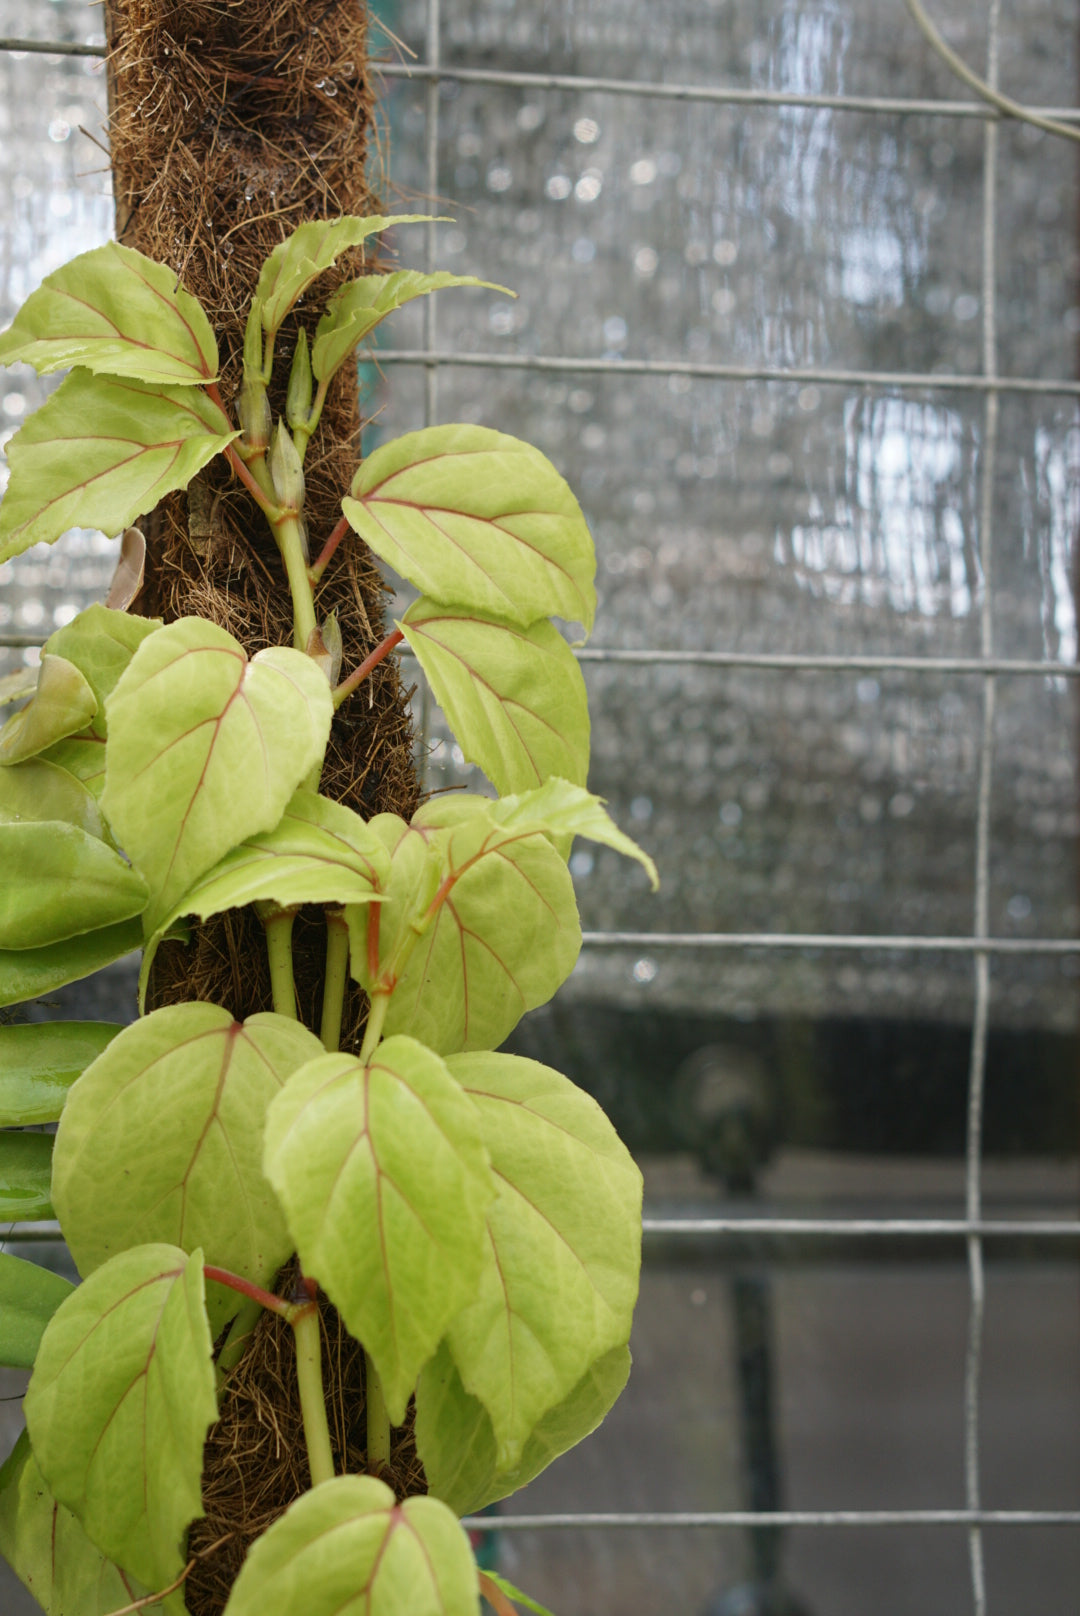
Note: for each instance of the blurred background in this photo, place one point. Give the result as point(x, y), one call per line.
point(837, 512)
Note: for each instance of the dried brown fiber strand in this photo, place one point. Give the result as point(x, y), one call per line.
point(231, 123)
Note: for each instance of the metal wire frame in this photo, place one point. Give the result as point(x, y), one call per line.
point(974, 1229)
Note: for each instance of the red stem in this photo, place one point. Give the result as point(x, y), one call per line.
point(248, 480)
point(347, 686)
point(246, 1288)
point(495, 1597)
point(326, 553)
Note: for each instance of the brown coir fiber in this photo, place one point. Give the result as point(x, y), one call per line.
point(255, 1462)
point(230, 124)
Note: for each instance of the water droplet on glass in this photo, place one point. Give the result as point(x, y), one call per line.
point(644, 970)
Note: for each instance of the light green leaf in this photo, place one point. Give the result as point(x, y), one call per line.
point(63, 883)
point(49, 1551)
point(40, 1061)
point(101, 643)
point(318, 852)
point(115, 312)
point(161, 1139)
point(557, 808)
point(478, 520)
point(62, 703)
point(311, 249)
point(456, 1442)
point(25, 1174)
point(516, 1594)
point(561, 1275)
point(119, 1404)
point(503, 940)
point(38, 790)
point(356, 309)
point(514, 696)
point(14, 686)
point(385, 1184)
point(101, 452)
point(84, 757)
point(26, 973)
point(408, 889)
point(205, 749)
point(347, 1548)
point(29, 1296)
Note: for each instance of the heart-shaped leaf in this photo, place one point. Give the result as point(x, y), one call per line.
point(117, 312)
point(311, 249)
point(100, 452)
point(347, 1548)
point(318, 852)
point(356, 309)
point(561, 1274)
point(101, 643)
point(514, 696)
point(119, 1404)
point(385, 1184)
point(161, 1139)
point(503, 939)
point(48, 1549)
point(25, 1176)
point(62, 703)
point(205, 749)
point(29, 1296)
point(40, 1061)
point(456, 1443)
point(39, 790)
point(26, 973)
point(63, 883)
point(478, 520)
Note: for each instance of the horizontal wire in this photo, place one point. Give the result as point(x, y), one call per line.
point(706, 94)
point(848, 942)
point(782, 1228)
point(709, 370)
point(799, 662)
point(681, 1520)
point(886, 1228)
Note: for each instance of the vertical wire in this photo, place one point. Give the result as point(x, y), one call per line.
point(981, 928)
point(431, 368)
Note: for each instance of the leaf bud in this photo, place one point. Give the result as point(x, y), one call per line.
point(254, 410)
point(286, 469)
point(298, 402)
point(253, 343)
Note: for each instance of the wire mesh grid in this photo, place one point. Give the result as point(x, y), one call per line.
point(974, 1228)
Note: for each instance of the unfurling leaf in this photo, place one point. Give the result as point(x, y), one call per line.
point(26, 973)
point(298, 397)
point(127, 580)
point(384, 1181)
point(118, 313)
point(561, 1272)
point(48, 1549)
point(62, 704)
point(357, 308)
point(40, 1061)
point(318, 852)
point(100, 453)
point(514, 696)
point(62, 883)
point(503, 939)
point(205, 749)
point(161, 1139)
point(408, 887)
point(101, 642)
point(479, 521)
point(119, 1404)
point(456, 1443)
point(25, 1175)
point(348, 1548)
point(29, 1296)
point(311, 249)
